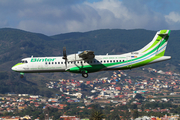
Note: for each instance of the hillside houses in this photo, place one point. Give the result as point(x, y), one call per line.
point(119, 89)
point(119, 85)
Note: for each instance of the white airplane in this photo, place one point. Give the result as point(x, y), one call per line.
point(86, 62)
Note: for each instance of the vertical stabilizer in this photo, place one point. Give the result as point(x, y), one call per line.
point(157, 45)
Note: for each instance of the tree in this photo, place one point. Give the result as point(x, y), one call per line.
point(135, 114)
point(133, 106)
point(115, 115)
point(97, 115)
point(139, 96)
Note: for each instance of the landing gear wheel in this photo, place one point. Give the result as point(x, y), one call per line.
point(22, 76)
point(84, 74)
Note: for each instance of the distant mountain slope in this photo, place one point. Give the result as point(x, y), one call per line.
point(103, 41)
point(17, 44)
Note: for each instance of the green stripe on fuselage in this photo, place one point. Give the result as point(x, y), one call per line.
point(147, 61)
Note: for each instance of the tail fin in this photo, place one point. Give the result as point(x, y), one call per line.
point(157, 45)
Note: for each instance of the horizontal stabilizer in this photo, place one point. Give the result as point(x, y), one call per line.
point(163, 58)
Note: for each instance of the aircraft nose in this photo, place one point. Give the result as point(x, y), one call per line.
point(17, 67)
point(14, 68)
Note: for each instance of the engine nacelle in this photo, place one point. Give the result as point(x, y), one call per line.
point(81, 55)
point(74, 57)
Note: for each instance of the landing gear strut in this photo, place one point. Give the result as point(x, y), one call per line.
point(84, 74)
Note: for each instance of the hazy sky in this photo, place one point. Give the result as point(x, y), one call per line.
point(52, 17)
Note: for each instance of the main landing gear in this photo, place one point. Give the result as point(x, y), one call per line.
point(84, 74)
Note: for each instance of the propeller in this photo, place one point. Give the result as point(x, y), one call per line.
point(65, 56)
point(64, 53)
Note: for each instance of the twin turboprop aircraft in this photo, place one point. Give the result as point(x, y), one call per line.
point(86, 62)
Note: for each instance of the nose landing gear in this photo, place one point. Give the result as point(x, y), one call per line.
point(21, 75)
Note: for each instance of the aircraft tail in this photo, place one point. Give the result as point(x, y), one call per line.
point(154, 51)
point(158, 45)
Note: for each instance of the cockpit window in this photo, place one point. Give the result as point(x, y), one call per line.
point(24, 61)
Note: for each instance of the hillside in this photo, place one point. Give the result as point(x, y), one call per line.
point(17, 44)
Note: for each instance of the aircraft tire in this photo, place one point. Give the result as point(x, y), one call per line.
point(21, 76)
point(85, 75)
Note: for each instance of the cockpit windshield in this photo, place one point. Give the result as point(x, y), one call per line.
point(24, 61)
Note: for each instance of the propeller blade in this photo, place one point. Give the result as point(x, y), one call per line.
point(65, 56)
point(64, 53)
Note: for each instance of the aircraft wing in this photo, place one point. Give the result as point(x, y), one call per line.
point(87, 54)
